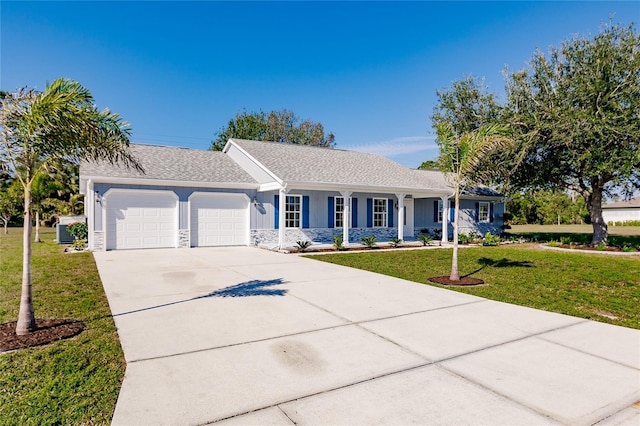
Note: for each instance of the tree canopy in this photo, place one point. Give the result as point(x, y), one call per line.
point(575, 113)
point(276, 126)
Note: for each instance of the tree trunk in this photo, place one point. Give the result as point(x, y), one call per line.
point(37, 237)
point(6, 227)
point(26, 318)
point(455, 274)
point(594, 204)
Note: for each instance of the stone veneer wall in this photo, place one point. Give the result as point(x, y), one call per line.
point(318, 235)
point(184, 240)
point(325, 235)
point(98, 241)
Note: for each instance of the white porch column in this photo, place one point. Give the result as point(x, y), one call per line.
point(445, 219)
point(400, 216)
point(282, 205)
point(346, 217)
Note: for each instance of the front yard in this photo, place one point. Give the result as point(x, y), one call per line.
point(74, 381)
point(595, 286)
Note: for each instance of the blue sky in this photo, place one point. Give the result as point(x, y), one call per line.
point(368, 71)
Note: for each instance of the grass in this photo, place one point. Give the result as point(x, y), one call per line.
point(592, 286)
point(74, 381)
point(618, 235)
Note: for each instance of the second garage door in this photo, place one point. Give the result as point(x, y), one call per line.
point(219, 219)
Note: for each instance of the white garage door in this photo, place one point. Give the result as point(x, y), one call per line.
point(219, 219)
point(141, 219)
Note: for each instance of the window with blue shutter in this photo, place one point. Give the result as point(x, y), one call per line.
point(330, 213)
point(305, 211)
point(369, 212)
point(452, 211)
point(491, 212)
point(477, 217)
point(276, 209)
point(354, 212)
point(390, 210)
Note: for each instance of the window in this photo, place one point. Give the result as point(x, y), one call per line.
point(339, 212)
point(379, 212)
point(440, 211)
point(483, 212)
point(293, 209)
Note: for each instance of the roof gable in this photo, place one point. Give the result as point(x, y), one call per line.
point(626, 204)
point(302, 164)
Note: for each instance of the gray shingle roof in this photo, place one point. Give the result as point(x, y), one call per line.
point(310, 164)
point(174, 164)
point(631, 203)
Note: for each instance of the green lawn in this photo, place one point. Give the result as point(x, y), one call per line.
point(591, 286)
point(618, 235)
point(75, 381)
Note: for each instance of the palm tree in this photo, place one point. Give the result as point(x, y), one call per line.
point(462, 159)
point(38, 128)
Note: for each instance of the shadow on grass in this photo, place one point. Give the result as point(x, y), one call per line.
point(246, 289)
point(502, 263)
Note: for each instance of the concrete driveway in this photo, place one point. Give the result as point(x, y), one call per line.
point(246, 336)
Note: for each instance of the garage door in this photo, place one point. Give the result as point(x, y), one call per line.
point(141, 219)
point(219, 219)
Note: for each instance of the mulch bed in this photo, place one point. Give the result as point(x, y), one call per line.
point(47, 331)
point(463, 281)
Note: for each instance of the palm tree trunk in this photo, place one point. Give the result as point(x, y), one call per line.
point(455, 274)
point(37, 237)
point(26, 318)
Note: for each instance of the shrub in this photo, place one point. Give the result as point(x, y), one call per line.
point(601, 247)
point(425, 239)
point(337, 242)
point(490, 239)
point(464, 238)
point(554, 243)
point(368, 241)
point(78, 230)
point(303, 245)
point(395, 242)
point(565, 240)
point(79, 244)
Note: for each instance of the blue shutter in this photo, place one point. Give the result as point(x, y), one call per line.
point(491, 212)
point(276, 209)
point(305, 211)
point(369, 212)
point(390, 212)
point(354, 212)
point(330, 215)
point(452, 211)
point(477, 212)
point(435, 211)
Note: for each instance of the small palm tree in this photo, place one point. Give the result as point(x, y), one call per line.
point(38, 128)
point(461, 158)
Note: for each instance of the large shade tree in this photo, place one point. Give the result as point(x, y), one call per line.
point(575, 113)
point(39, 128)
point(276, 126)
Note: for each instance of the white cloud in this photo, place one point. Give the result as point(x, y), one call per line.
point(396, 146)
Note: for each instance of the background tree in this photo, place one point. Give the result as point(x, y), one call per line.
point(576, 119)
point(10, 196)
point(276, 126)
point(39, 128)
point(429, 165)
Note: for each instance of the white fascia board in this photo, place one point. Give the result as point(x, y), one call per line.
point(160, 182)
point(271, 186)
point(250, 157)
point(482, 198)
point(417, 193)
